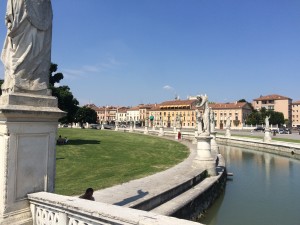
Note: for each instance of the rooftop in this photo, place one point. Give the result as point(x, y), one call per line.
point(271, 97)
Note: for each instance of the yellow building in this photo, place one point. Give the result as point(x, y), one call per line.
point(237, 111)
point(167, 112)
point(296, 114)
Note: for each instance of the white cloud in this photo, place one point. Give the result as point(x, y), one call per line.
point(168, 87)
point(87, 70)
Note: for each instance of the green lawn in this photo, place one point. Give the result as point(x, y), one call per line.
point(102, 158)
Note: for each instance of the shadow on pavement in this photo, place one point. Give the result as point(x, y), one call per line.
point(140, 194)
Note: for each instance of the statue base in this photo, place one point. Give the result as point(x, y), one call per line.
point(204, 156)
point(213, 143)
point(28, 129)
point(267, 137)
point(228, 133)
point(194, 141)
point(146, 130)
point(161, 132)
point(130, 128)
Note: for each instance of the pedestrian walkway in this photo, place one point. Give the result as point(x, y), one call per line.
point(134, 192)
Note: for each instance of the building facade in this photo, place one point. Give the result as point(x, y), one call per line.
point(238, 113)
point(296, 114)
point(275, 102)
point(166, 113)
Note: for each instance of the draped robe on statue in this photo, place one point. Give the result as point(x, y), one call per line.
point(26, 54)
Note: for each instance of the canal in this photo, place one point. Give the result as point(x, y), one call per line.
point(265, 190)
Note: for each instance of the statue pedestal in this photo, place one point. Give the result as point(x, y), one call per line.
point(227, 133)
point(130, 128)
point(194, 141)
point(213, 143)
point(28, 129)
point(146, 130)
point(204, 156)
point(161, 132)
point(267, 137)
point(174, 129)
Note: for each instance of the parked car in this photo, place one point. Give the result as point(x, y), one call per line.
point(259, 129)
point(285, 130)
point(275, 130)
point(288, 131)
point(109, 127)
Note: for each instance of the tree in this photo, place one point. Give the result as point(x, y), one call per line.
point(242, 100)
point(66, 100)
point(85, 115)
point(54, 78)
point(258, 117)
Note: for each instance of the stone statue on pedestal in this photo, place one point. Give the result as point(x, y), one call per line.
point(212, 120)
point(26, 54)
point(178, 121)
point(227, 125)
point(203, 101)
point(199, 122)
point(267, 122)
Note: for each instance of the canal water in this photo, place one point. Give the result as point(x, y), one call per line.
point(265, 190)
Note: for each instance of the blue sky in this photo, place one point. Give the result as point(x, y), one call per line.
point(127, 52)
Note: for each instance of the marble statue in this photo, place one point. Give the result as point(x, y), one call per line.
point(227, 125)
point(199, 122)
point(178, 121)
point(267, 122)
point(212, 120)
point(26, 53)
point(203, 102)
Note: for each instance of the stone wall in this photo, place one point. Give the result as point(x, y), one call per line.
point(279, 148)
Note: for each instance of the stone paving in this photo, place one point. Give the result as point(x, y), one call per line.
point(133, 192)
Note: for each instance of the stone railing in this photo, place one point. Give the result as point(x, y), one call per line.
point(53, 209)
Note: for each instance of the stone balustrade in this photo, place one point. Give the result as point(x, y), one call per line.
point(53, 209)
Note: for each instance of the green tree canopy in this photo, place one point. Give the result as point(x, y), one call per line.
point(85, 114)
point(258, 117)
point(66, 100)
point(56, 77)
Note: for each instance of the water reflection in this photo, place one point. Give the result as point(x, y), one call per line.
point(265, 190)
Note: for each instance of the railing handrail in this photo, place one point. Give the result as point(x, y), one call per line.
point(64, 210)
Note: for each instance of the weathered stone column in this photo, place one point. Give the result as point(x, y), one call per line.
point(204, 156)
point(28, 129)
point(194, 141)
point(161, 131)
point(227, 133)
point(213, 143)
point(117, 126)
point(130, 127)
point(267, 136)
point(146, 130)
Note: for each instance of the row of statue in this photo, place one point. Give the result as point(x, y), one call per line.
point(206, 122)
